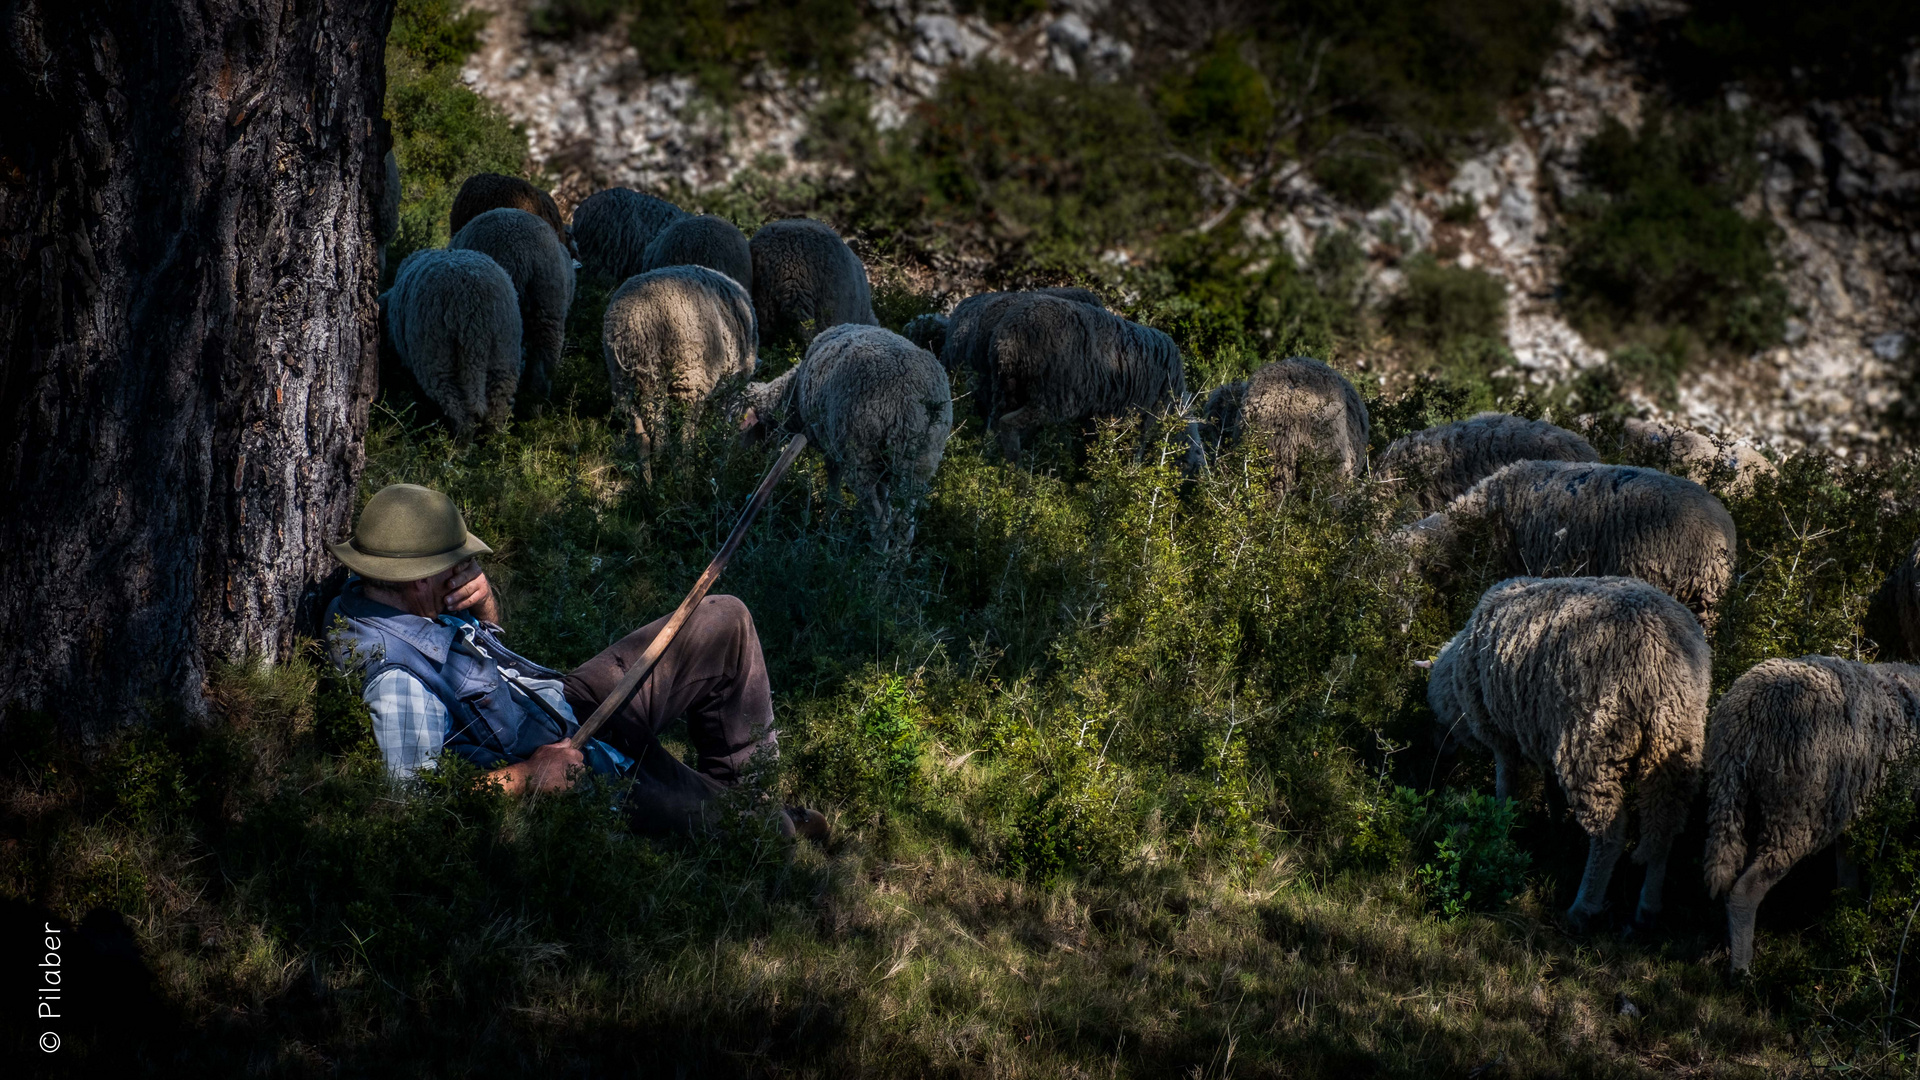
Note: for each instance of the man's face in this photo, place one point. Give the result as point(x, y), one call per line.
point(428, 596)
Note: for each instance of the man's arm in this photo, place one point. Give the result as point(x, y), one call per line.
point(552, 766)
point(411, 727)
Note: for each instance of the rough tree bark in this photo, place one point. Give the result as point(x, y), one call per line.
point(187, 335)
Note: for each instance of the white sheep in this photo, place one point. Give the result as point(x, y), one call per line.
point(1795, 749)
point(879, 410)
point(542, 273)
point(1729, 464)
point(806, 279)
point(454, 320)
point(1602, 683)
point(1576, 518)
point(675, 335)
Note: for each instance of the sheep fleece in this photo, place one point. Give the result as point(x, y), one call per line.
point(455, 321)
point(1566, 518)
point(1800, 745)
point(542, 274)
point(493, 191)
point(972, 323)
point(675, 334)
point(806, 279)
point(1301, 405)
point(1071, 361)
point(703, 240)
point(612, 229)
point(1438, 464)
point(1602, 681)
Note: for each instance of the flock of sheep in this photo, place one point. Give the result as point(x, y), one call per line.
point(1591, 663)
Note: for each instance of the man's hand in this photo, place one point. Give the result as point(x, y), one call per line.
point(551, 767)
point(468, 589)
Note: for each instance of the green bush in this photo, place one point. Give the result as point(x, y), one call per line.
point(1444, 304)
point(1659, 241)
point(862, 751)
point(1474, 864)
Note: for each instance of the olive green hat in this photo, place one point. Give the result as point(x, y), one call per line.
point(408, 532)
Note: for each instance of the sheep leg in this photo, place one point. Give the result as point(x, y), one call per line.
point(1502, 775)
point(1648, 910)
point(1603, 850)
point(1011, 426)
point(1743, 902)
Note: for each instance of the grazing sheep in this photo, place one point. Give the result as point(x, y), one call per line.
point(1601, 682)
point(806, 279)
point(492, 191)
point(675, 335)
point(454, 319)
point(542, 274)
point(1436, 465)
point(1795, 749)
point(386, 217)
point(614, 227)
point(1895, 614)
point(970, 327)
point(1051, 360)
point(703, 240)
point(927, 331)
point(1577, 518)
point(1301, 404)
point(1698, 457)
point(877, 407)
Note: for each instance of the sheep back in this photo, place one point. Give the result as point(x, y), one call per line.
point(1731, 465)
point(482, 192)
point(703, 240)
point(675, 334)
point(1067, 360)
point(542, 275)
point(806, 279)
point(927, 331)
point(879, 408)
point(1795, 749)
point(1576, 518)
point(613, 228)
point(1439, 463)
point(971, 325)
point(454, 319)
point(1302, 406)
point(1600, 681)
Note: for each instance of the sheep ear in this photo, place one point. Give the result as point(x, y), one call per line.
point(1423, 665)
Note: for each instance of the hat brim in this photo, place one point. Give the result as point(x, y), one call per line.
point(407, 568)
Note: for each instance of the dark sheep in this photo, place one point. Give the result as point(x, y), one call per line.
point(1437, 465)
point(1054, 360)
point(542, 274)
point(454, 319)
point(703, 240)
point(614, 227)
point(970, 327)
point(927, 331)
point(806, 279)
point(492, 191)
point(386, 217)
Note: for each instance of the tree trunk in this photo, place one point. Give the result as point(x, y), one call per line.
point(187, 334)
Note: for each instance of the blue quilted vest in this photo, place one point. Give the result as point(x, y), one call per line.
point(492, 723)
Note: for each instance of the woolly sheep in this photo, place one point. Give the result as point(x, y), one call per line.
point(1700, 458)
point(806, 279)
point(927, 331)
point(1795, 749)
point(1052, 360)
point(386, 216)
point(674, 335)
point(1601, 682)
point(1900, 599)
point(454, 319)
point(971, 325)
point(879, 410)
point(1568, 518)
point(614, 227)
point(1436, 465)
point(542, 274)
point(492, 191)
point(1301, 404)
point(703, 240)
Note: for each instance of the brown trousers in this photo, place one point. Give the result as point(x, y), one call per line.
point(714, 674)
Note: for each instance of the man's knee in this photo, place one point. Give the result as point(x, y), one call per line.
point(724, 616)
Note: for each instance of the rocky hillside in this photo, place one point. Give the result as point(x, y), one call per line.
point(1839, 178)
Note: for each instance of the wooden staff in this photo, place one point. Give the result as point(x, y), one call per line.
point(638, 673)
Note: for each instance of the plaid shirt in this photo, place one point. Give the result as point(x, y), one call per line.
point(411, 725)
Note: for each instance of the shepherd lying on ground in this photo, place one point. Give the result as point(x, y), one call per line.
point(421, 624)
